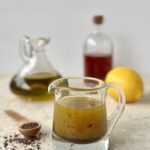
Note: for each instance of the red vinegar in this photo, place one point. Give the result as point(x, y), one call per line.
point(97, 65)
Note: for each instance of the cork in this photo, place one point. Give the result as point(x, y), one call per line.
point(98, 19)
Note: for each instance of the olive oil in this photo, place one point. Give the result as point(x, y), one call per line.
point(33, 87)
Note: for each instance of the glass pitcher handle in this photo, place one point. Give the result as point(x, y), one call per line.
point(25, 48)
point(113, 118)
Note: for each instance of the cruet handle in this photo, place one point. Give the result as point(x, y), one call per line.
point(113, 118)
point(26, 48)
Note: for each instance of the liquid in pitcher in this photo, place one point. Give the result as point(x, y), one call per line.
point(79, 119)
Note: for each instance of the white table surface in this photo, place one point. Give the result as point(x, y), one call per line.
point(132, 132)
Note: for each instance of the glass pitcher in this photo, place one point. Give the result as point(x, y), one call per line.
point(80, 120)
point(32, 81)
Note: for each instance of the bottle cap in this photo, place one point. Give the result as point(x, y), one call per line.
point(98, 19)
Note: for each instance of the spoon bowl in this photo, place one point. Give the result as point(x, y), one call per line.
point(30, 129)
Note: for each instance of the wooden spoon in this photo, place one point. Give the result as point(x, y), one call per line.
point(26, 127)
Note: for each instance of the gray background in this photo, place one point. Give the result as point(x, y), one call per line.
point(67, 22)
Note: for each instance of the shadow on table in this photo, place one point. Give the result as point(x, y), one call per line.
point(115, 144)
point(110, 148)
point(145, 99)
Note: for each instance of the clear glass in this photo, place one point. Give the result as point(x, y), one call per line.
point(80, 120)
point(32, 81)
point(98, 54)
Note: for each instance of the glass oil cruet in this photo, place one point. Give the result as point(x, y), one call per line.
point(32, 81)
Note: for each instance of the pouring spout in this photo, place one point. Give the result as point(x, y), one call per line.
point(51, 88)
point(57, 84)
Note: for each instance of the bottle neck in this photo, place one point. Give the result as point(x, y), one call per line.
point(41, 61)
point(39, 55)
point(97, 28)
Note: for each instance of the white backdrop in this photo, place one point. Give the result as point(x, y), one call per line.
point(67, 22)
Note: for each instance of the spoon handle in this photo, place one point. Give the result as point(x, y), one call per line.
point(14, 115)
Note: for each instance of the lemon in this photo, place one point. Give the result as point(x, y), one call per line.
point(129, 80)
